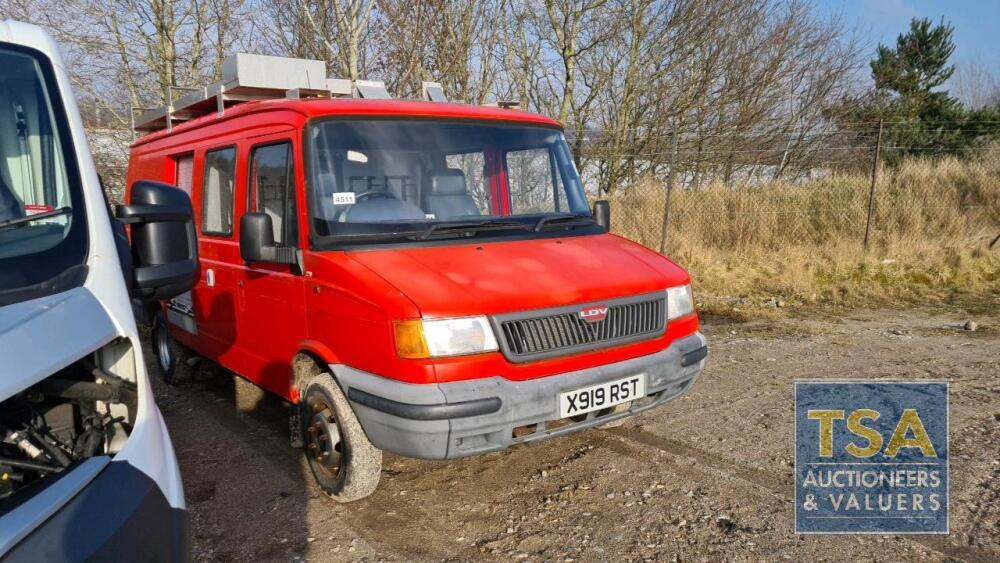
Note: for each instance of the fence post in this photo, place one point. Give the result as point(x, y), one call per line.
point(131, 121)
point(871, 191)
point(670, 189)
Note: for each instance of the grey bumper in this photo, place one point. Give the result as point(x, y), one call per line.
point(463, 418)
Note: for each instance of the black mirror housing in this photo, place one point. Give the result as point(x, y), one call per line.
point(257, 241)
point(164, 242)
point(602, 214)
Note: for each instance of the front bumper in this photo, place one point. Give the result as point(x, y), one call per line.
point(463, 418)
point(119, 515)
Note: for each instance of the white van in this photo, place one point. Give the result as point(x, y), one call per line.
point(87, 470)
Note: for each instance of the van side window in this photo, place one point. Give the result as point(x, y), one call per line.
point(272, 189)
point(217, 192)
point(185, 173)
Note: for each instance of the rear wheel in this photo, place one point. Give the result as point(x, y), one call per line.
point(172, 358)
point(345, 463)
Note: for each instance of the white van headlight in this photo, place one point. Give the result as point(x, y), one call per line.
point(436, 338)
point(680, 302)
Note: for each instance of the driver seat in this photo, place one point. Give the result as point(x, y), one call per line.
point(447, 195)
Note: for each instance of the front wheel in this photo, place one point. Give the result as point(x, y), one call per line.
point(346, 464)
point(615, 410)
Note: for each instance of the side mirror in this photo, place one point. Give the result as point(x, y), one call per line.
point(257, 241)
point(602, 213)
point(164, 242)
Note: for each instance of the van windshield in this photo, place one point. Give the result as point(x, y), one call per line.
point(389, 179)
point(42, 230)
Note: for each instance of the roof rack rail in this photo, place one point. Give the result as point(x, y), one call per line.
point(247, 77)
point(505, 104)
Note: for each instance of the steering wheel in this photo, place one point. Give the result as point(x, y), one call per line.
point(341, 215)
point(374, 195)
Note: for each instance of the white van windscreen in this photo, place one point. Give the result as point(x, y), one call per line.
point(43, 221)
point(33, 181)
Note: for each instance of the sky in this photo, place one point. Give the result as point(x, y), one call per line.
point(976, 23)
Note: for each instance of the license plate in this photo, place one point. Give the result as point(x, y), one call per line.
point(605, 395)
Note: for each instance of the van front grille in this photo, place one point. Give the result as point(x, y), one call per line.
point(541, 334)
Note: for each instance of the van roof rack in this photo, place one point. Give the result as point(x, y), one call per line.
point(247, 77)
point(433, 92)
point(505, 104)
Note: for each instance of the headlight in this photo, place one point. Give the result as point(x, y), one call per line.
point(679, 302)
point(437, 338)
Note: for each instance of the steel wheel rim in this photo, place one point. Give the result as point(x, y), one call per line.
point(324, 444)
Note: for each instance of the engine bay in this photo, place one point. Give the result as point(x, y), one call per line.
point(77, 413)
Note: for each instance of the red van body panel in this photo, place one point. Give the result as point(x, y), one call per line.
point(485, 279)
point(254, 319)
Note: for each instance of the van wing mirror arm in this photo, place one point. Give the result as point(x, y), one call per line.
point(131, 214)
point(279, 254)
point(602, 213)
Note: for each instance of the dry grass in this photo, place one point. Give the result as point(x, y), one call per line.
point(750, 247)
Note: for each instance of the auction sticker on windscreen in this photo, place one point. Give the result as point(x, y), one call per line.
point(871, 457)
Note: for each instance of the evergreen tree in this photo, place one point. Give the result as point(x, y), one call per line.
point(920, 116)
point(917, 65)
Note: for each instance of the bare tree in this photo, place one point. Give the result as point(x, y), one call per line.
point(134, 52)
point(643, 85)
point(122, 54)
point(977, 84)
point(576, 27)
point(400, 43)
point(520, 53)
point(334, 31)
point(713, 89)
point(352, 23)
point(449, 41)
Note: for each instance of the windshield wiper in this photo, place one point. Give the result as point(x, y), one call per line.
point(377, 235)
point(563, 220)
point(471, 227)
point(35, 217)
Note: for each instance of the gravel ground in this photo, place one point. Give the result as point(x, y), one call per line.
point(707, 477)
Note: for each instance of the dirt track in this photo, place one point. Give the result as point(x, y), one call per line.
point(707, 477)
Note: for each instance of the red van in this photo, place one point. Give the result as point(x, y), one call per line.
point(422, 278)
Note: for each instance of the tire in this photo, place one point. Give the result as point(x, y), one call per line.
point(172, 358)
point(351, 468)
point(206, 370)
point(616, 423)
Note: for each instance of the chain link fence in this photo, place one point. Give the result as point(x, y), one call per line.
point(872, 196)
